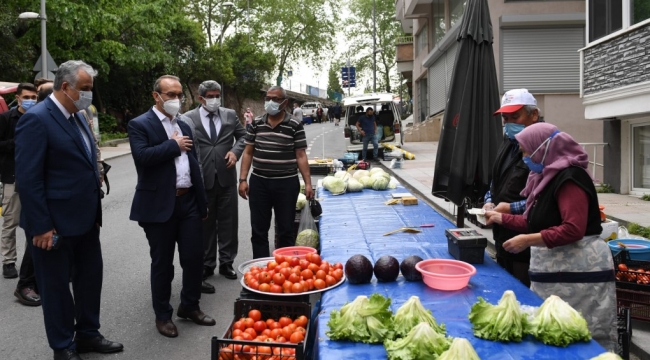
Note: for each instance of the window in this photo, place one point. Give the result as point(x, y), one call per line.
point(439, 29)
point(456, 9)
point(640, 11)
point(423, 99)
point(605, 17)
point(423, 42)
point(641, 157)
point(609, 16)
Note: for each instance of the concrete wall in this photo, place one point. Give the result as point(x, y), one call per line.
point(622, 61)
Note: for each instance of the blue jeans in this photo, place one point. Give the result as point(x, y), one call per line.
point(375, 150)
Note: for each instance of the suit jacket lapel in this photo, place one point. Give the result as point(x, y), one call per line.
point(195, 115)
point(66, 126)
point(222, 117)
point(157, 126)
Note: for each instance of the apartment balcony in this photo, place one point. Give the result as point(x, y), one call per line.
point(404, 55)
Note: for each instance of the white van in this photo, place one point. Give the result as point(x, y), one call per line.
point(386, 113)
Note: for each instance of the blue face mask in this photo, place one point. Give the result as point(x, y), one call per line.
point(539, 167)
point(512, 129)
point(27, 104)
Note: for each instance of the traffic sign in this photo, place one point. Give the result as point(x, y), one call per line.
point(51, 65)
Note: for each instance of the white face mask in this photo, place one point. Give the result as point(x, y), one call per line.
point(171, 107)
point(212, 105)
point(85, 99)
point(272, 108)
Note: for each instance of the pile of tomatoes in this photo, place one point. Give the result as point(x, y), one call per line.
point(638, 276)
point(287, 274)
point(268, 332)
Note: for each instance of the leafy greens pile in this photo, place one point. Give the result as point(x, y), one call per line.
point(502, 322)
point(421, 343)
point(607, 356)
point(365, 320)
point(557, 323)
point(410, 314)
point(460, 349)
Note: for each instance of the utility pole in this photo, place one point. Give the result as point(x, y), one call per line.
point(43, 41)
point(348, 74)
point(374, 46)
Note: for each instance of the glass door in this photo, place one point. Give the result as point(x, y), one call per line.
point(641, 157)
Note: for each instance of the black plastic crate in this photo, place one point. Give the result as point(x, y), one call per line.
point(637, 301)
point(228, 348)
point(633, 280)
point(624, 332)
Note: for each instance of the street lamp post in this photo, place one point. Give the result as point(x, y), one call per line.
point(227, 3)
point(43, 18)
point(374, 46)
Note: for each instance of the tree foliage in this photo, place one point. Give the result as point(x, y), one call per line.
point(334, 80)
point(360, 32)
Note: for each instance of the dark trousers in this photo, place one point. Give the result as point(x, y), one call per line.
point(185, 228)
point(221, 226)
point(279, 195)
point(375, 146)
point(64, 314)
point(27, 277)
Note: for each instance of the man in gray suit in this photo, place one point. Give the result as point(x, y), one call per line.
point(219, 138)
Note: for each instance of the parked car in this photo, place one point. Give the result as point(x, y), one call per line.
point(386, 113)
point(6, 88)
point(310, 109)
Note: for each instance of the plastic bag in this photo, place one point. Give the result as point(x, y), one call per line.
point(307, 229)
point(624, 234)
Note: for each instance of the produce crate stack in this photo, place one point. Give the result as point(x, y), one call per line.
point(633, 285)
point(624, 332)
point(227, 348)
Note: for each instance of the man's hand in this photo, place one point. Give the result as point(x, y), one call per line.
point(493, 217)
point(363, 133)
point(184, 142)
point(517, 244)
point(243, 190)
point(231, 159)
point(488, 206)
point(503, 208)
point(309, 192)
point(44, 241)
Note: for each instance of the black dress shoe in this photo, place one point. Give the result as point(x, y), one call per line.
point(98, 344)
point(207, 288)
point(197, 316)
point(28, 296)
point(66, 354)
point(167, 328)
point(227, 271)
point(9, 271)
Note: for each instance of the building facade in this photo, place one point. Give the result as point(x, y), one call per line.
point(615, 88)
point(536, 46)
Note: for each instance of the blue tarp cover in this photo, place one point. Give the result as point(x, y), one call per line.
point(353, 223)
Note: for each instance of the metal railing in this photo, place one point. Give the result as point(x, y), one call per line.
point(402, 40)
point(593, 163)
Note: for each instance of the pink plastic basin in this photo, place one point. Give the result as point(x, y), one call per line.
point(444, 274)
point(297, 251)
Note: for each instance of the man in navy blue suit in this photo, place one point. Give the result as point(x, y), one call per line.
point(58, 185)
point(169, 203)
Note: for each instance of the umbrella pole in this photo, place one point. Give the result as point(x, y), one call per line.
point(460, 216)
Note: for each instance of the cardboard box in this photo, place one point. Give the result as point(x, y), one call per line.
point(610, 230)
point(409, 200)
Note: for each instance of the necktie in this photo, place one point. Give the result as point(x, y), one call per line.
point(213, 129)
point(73, 122)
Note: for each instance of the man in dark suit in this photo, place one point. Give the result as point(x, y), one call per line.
point(58, 185)
point(169, 203)
point(219, 137)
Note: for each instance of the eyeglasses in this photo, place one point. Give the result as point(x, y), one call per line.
point(172, 95)
point(274, 99)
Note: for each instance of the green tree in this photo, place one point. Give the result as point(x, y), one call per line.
point(333, 80)
point(360, 33)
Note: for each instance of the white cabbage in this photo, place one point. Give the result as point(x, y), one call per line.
point(307, 237)
point(336, 186)
point(380, 183)
point(302, 200)
point(366, 182)
point(354, 185)
point(375, 170)
point(360, 173)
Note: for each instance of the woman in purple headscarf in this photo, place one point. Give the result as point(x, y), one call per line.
point(561, 225)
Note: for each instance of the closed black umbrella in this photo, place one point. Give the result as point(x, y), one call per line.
point(471, 134)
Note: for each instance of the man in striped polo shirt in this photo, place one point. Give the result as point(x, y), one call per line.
point(275, 145)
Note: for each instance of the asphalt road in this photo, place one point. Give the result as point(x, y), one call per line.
point(126, 313)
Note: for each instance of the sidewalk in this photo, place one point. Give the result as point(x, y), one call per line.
point(417, 175)
point(110, 152)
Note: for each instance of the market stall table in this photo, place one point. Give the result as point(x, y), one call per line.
point(353, 223)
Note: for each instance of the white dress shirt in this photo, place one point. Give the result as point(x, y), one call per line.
point(66, 114)
point(182, 163)
point(205, 120)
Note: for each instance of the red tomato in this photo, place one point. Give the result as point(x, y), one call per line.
point(284, 321)
point(296, 270)
point(329, 280)
point(306, 274)
point(275, 288)
point(337, 274)
point(239, 325)
point(295, 261)
point(303, 264)
point(310, 284)
point(276, 325)
point(254, 284)
point(320, 284)
point(279, 259)
point(272, 264)
point(296, 338)
point(281, 339)
point(264, 350)
point(320, 274)
point(248, 323)
point(308, 257)
point(279, 279)
point(265, 287)
point(338, 265)
point(325, 267)
point(297, 288)
point(256, 315)
point(294, 278)
point(286, 287)
point(250, 332)
point(266, 332)
point(284, 264)
point(275, 334)
point(313, 267)
point(285, 272)
point(315, 259)
point(240, 337)
point(259, 326)
point(255, 268)
point(301, 321)
point(264, 278)
point(237, 332)
point(286, 332)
